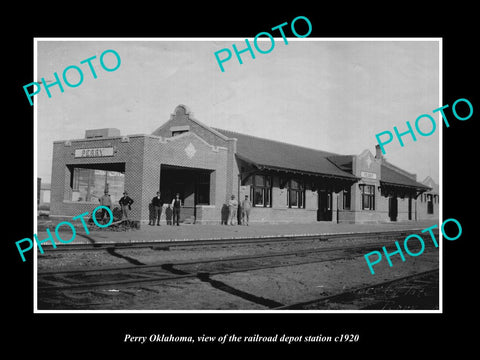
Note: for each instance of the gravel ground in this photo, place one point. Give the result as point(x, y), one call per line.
point(82, 260)
point(253, 290)
point(307, 282)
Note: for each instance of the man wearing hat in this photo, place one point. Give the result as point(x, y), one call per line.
point(246, 207)
point(126, 204)
point(157, 204)
point(176, 205)
point(105, 201)
point(232, 207)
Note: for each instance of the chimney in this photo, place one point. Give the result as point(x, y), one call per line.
point(378, 153)
point(99, 133)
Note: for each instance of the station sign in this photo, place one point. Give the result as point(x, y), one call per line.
point(94, 152)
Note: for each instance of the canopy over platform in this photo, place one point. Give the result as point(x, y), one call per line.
point(394, 183)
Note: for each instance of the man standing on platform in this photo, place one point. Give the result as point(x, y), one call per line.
point(107, 202)
point(157, 203)
point(232, 207)
point(176, 209)
point(246, 207)
point(126, 205)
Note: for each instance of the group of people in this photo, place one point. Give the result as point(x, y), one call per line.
point(233, 207)
point(125, 204)
point(172, 212)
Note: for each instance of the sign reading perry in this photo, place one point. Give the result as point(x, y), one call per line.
point(368, 175)
point(94, 152)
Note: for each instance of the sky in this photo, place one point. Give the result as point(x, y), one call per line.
point(319, 93)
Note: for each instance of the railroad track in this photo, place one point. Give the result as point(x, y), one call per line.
point(53, 281)
point(167, 244)
point(417, 290)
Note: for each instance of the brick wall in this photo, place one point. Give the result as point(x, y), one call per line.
point(128, 152)
point(172, 151)
point(367, 168)
point(182, 117)
point(279, 212)
point(422, 207)
point(217, 153)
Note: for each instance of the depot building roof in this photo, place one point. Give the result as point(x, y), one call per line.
point(276, 155)
point(390, 176)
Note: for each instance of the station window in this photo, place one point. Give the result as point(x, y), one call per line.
point(295, 194)
point(261, 190)
point(368, 196)
point(88, 185)
point(346, 199)
point(178, 132)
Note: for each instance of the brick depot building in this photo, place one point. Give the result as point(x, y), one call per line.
point(286, 183)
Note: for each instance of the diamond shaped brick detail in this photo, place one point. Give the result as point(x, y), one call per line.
point(369, 161)
point(190, 150)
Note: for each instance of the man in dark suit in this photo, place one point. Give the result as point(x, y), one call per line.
point(157, 203)
point(176, 205)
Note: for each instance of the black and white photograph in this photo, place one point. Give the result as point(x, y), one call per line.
point(269, 183)
point(259, 187)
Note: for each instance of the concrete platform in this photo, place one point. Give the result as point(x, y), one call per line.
point(203, 232)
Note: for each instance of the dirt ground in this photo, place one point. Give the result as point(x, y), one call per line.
point(252, 290)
